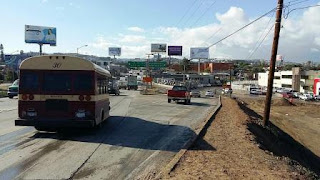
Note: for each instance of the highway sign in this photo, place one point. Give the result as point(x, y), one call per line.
point(137, 64)
point(158, 64)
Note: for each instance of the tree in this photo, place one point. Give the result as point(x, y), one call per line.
point(1, 53)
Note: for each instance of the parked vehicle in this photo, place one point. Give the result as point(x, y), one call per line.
point(195, 93)
point(255, 91)
point(287, 95)
point(305, 97)
point(227, 91)
point(317, 97)
point(132, 82)
point(13, 90)
point(296, 94)
point(114, 89)
point(279, 90)
point(122, 84)
point(179, 93)
point(209, 93)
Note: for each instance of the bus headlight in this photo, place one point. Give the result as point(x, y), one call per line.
point(81, 113)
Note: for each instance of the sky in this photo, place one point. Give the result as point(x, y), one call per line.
point(134, 25)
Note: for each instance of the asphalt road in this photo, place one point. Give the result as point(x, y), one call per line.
point(142, 135)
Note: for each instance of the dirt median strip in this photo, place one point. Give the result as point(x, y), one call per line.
point(199, 131)
point(229, 150)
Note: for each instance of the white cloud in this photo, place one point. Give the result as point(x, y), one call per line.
point(299, 37)
point(136, 29)
point(44, 1)
point(132, 39)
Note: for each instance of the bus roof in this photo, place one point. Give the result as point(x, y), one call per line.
point(59, 62)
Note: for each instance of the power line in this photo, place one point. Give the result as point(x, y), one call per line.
point(193, 13)
point(287, 14)
point(242, 27)
point(187, 11)
point(261, 34)
point(205, 12)
point(215, 33)
point(261, 42)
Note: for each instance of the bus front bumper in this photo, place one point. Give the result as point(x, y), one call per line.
point(54, 123)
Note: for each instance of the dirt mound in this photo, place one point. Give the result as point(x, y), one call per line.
point(281, 102)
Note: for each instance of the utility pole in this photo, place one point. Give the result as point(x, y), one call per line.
point(199, 66)
point(272, 63)
point(40, 45)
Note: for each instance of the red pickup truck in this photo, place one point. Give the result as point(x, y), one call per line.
point(179, 93)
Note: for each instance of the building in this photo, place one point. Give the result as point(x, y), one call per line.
point(296, 79)
point(207, 67)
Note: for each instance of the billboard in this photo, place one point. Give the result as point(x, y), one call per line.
point(158, 47)
point(41, 35)
point(174, 50)
point(199, 53)
point(114, 51)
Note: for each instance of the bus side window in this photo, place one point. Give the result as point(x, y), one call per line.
point(99, 86)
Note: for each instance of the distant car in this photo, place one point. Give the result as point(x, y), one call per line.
point(195, 93)
point(305, 97)
point(287, 95)
point(296, 94)
point(209, 93)
point(114, 90)
point(317, 97)
point(279, 90)
point(227, 91)
point(13, 90)
point(256, 91)
point(200, 85)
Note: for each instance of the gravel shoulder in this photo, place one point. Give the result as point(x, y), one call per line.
point(229, 150)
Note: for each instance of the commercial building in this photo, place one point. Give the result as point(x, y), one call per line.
point(296, 79)
point(207, 67)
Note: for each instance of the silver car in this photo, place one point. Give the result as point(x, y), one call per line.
point(195, 93)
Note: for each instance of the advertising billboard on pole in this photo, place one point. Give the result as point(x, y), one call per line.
point(41, 35)
point(174, 50)
point(158, 47)
point(114, 51)
point(199, 53)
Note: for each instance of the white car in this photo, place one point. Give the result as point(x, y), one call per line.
point(305, 97)
point(195, 93)
point(209, 94)
point(317, 97)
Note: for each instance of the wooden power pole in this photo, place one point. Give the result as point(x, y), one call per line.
point(273, 62)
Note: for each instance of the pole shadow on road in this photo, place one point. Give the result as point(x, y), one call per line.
point(131, 132)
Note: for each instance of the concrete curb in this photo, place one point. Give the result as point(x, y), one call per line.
point(199, 131)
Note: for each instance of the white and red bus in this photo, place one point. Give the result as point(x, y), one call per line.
point(62, 91)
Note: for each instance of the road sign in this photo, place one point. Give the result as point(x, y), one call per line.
point(159, 64)
point(147, 79)
point(137, 64)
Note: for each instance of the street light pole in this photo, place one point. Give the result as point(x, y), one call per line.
point(81, 47)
